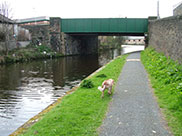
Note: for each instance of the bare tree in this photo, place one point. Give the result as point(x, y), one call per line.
point(5, 12)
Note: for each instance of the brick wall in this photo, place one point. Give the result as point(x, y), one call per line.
point(165, 35)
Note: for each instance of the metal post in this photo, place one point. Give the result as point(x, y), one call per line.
point(158, 16)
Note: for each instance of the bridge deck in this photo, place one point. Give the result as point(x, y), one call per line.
point(134, 26)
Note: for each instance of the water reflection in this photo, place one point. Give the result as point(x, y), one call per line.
point(106, 55)
point(132, 48)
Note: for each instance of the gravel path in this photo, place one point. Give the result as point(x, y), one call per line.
point(133, 110)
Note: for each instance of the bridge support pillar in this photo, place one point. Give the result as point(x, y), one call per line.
point(56, 36)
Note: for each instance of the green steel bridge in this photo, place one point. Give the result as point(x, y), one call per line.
point(105, 26)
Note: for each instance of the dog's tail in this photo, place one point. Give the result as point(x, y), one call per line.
point(101, 88)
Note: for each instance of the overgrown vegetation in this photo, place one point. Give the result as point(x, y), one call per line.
point(166, 79)
point(29, 53)
point(80, 113)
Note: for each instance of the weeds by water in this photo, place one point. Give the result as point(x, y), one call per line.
point(166, 78)
point(87, 84)
point(27, 54)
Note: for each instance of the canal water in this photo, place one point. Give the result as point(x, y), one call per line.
point(28, 88)
point(132, 48)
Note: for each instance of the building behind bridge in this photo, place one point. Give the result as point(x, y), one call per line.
point(18, 36)
point(178, 9)
point(43, 20)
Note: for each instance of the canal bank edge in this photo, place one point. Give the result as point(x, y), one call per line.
point(28, 54)
point(37, 117)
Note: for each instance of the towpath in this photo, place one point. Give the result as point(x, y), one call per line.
point(133, 110)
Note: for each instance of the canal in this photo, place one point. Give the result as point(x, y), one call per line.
point(28, 88)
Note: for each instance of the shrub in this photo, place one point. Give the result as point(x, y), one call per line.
point(101, 76)
point(43, 48)
point(87, 84)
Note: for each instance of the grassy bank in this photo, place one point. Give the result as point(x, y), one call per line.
point(82, 112)
point(166, 79)
point(27, 54)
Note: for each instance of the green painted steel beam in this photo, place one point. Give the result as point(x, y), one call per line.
point(104, 25)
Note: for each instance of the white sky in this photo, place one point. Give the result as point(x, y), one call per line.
point(90, 8)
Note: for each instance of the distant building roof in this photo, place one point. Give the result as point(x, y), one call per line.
point(177, 9)
point(4, 19)
point(34, 19)
point(176, 5)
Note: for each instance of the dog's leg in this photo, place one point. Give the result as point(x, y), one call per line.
point(103, 87)
point(110, 90)
point(102, 94)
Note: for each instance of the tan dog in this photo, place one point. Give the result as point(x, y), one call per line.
point(107, 84)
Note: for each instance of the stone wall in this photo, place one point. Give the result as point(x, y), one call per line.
point(2, 46)
point(165, 35)
point(55, 35)
point(178, 10)
point(81, 44)
point(72, 44)
point(92, 44)
point(11, 45)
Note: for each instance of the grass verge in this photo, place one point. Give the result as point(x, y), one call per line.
point(166, 78)
point(82, 112)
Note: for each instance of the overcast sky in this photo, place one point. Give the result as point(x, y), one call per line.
point(90, 8)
